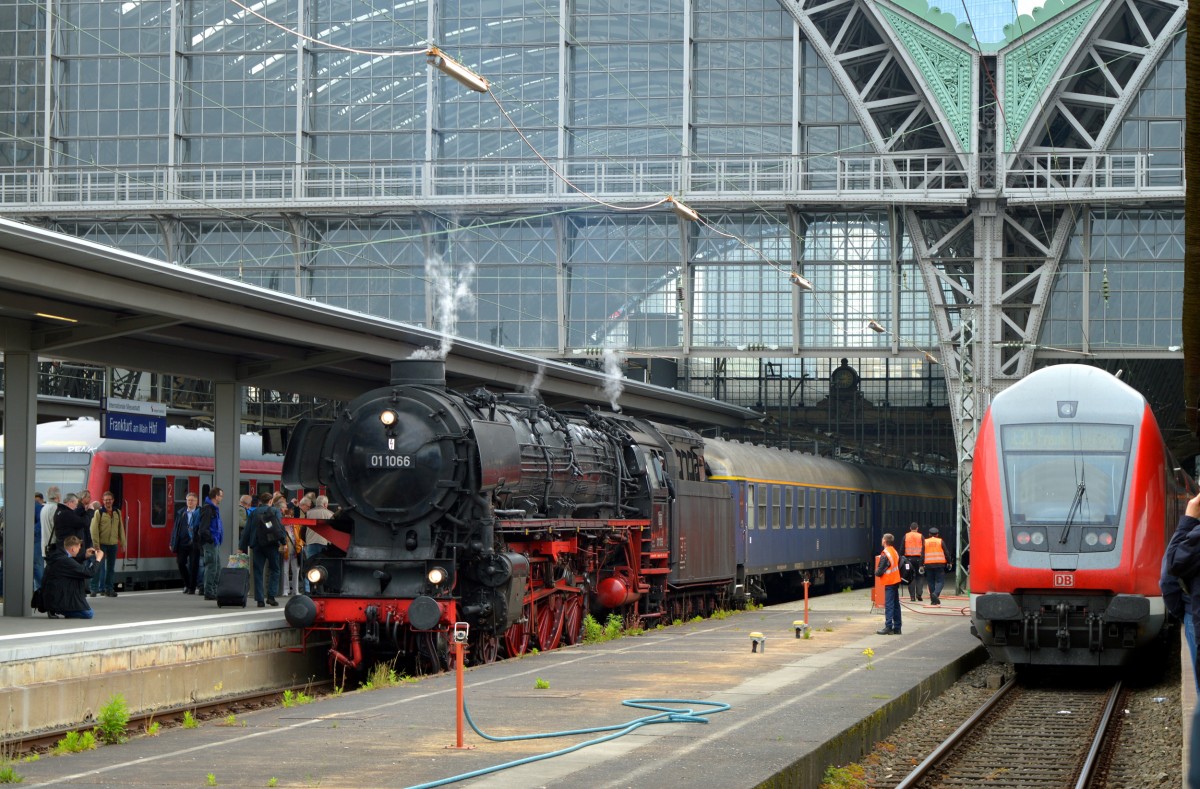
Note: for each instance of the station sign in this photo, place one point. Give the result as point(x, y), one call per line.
point(142, 407)
point(133, 420)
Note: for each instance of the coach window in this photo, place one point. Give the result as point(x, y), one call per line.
point(763, 500)
point(751, 510)
point(791, 508)
point(777, 502)
point(158, 501)
point(179, 500)
point(810, 496)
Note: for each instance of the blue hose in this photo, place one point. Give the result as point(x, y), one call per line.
point(662, 715)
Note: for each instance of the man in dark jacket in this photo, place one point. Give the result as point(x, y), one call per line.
point(182, 534)
point(263, 533)
point(1182, 561)
point(72, 519)
point(64, 586)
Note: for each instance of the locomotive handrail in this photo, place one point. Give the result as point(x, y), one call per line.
point(337, 538)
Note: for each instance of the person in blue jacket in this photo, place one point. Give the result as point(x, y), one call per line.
point(209, 535)
point(1181, 568)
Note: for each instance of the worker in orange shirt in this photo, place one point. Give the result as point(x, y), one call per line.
point(935, 566)
point(914, 555)
point(887, 570)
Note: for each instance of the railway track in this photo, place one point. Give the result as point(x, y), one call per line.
point(166, 716)
point(1025, 737)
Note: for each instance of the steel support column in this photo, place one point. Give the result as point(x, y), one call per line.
point(20, 464)
point(227, 438)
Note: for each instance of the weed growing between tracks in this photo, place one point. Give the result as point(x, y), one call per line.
point(75, 742)
point(8, 773)
point(112, 722)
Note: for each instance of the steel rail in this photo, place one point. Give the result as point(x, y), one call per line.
point(922, 769)
point(46, 739)
point(1093, 756)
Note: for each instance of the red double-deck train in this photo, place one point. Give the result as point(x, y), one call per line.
point(499, 512)
point(1074, 499)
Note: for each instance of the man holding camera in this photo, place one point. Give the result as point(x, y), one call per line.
point(64, 586)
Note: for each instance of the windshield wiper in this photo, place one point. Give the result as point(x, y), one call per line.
point(1076, 505)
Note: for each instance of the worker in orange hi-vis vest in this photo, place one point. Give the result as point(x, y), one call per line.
point(887, 570)
point(914, 553)
point(935, 566)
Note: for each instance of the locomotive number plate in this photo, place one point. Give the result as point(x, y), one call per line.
point(1063, 580)
point(389, 461)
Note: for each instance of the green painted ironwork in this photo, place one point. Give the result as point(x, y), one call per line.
point(961, 29)
point(1030, 68)
point(946, 69)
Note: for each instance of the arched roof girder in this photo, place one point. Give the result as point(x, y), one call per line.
point(1067, 88)
point(881, 77)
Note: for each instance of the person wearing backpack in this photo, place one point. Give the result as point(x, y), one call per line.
point(108, 532)
point(262, 536)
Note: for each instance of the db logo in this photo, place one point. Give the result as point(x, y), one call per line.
point(1064, 579)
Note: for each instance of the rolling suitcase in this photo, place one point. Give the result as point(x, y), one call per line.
point(233, 583)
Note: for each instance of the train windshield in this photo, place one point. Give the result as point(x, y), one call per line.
point(1058, 473)
point(68, 480)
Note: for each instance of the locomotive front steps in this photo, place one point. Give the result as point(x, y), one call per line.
point(160, 650)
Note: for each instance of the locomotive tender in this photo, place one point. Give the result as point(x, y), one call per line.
point(494, 510)
point(1075, 497)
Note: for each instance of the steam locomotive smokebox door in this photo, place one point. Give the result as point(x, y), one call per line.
point(499, 453)
point(396, 458)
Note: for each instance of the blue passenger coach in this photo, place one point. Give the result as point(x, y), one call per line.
point(802, 515)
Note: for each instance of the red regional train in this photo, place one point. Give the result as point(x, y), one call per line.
point(1074, 498)
point(149, 481)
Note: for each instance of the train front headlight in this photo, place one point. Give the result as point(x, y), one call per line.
point(316, 575)
point(436, 576)
point(388, 417)
point(1099, 538)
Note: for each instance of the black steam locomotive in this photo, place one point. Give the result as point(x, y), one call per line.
point(494, 510)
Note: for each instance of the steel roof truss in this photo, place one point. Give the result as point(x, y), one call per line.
point(57, 339)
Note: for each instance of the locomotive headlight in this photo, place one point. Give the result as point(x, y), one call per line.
point(1038, 537)
point(436, 576)
point(316, 575)
point(1090, 538)
point(388, 417)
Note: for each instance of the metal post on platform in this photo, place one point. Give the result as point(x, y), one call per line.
point(806, 599)
point(460, 643)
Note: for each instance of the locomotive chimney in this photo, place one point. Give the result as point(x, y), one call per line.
point(424, 372)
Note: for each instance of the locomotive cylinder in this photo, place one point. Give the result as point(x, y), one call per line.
point(614, 593)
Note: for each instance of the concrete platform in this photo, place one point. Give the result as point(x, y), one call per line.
point(797, 707)
point(158, 649)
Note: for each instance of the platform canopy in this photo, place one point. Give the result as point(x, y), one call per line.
point(90, 303)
